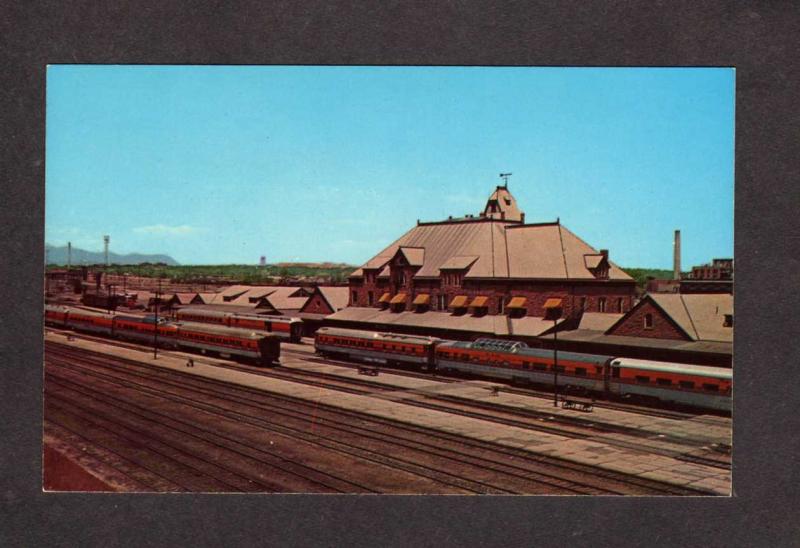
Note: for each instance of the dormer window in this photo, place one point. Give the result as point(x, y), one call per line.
point(728, 320)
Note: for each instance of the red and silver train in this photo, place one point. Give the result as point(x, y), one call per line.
point(284, 327)
point(256, 346)
point(685, 384)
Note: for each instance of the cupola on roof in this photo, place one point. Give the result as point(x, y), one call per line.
point(501, 205)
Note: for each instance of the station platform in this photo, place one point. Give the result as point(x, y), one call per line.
point(653, 453)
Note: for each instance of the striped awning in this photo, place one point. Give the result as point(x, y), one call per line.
point(422, 299)
point(399, 298)
point(459, 302)
point(384, 298)
point(517, 302)
point(479, 302)
point(552, 303)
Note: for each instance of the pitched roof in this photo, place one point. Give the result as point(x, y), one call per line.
point(497, 249)
point(502, 205)
point(598, 321)
point(337, 296)
point(700, 315)
point(414, 255)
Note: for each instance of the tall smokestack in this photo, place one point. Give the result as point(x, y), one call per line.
point(676, 258)
point(69, 255)
point(106, 239)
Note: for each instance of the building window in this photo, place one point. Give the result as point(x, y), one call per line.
point(621, 304)
point(583, 303)
point(728, 320)
point(441, 301)
point(648, 321)
point(403, 278)
point(369, 298)
point(601, 304)
point(501, 305)
point(355, 297)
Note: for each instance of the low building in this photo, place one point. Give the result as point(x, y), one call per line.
point(669, 327)
point(716, 277)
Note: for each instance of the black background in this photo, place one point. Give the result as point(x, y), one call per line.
point(759, 39)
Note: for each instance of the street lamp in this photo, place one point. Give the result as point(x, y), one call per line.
point(553, 310)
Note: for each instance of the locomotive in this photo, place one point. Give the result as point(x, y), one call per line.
point(263, 348)
point(608, 376)
point(284, 327)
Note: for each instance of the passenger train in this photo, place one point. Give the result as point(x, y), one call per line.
point(282, 326)
point(264, 348)
point(690, 385)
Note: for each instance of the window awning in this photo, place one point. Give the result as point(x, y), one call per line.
point(422, 299)
point(384, 298)
point(517, 302)
point(552, 303)
point(479, 302)
point(459, 302)
point(399, 298)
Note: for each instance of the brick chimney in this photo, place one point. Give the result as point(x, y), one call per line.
point(676, 257)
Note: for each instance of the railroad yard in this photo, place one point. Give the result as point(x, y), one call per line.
point(118, 419)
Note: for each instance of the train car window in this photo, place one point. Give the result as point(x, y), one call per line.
point(686, 384)
point(580, 371)
point(710, 387)
point(539, 367)
point(561, 368)
point(664, 382)
point(526, 365)
point(598, 370)
point(642, 379)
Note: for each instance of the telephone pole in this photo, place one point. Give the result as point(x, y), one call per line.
point(155, 337)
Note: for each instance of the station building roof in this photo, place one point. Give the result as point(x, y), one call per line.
point(495, 245)
point(491, 325)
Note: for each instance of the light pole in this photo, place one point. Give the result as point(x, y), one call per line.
point(155, 335)
point(553, 309)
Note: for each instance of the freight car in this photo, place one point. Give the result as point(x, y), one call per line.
point(605, 376)
point(219, 340)
point(282, 326)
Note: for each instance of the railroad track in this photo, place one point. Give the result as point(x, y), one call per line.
point(461, 482)
point(566, 426)
point(343, 424)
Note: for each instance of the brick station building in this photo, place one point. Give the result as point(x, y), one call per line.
point(490, 264)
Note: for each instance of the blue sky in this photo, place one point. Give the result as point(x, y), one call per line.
point(224, 164)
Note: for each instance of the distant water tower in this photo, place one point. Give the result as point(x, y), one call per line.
point(262, 261)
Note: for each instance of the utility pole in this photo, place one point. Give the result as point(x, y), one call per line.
point(106, 240)
point(69, 255)
point(155, 337)
point(553, 309)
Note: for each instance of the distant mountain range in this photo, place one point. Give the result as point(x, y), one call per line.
point(58, 255)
